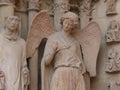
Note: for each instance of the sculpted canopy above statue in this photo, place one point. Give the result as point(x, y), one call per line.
point(67, 54)
point(14, 73)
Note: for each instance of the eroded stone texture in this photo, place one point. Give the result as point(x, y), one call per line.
point(33, 10)
point(87, 7)
point(14, 74)
point(63, 64)
point(98, 14)
point(111, 7)
point(114, 85)
point(113, 64)
point(113, 32)
point(113, 60)
point(60, 6)
point(86, 10)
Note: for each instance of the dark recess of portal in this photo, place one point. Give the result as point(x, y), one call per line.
point(40, 55)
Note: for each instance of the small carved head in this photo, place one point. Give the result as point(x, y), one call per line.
point(112, 53)
point(69, 21)
point(113, 25)
point(12, 22)
point(119, 25)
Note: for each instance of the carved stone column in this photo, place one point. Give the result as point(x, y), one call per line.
point(6, 9)
point(33, 9)
point(86, 11)
point(33, 62)
point(60, 6)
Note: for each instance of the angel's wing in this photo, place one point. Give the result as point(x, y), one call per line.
point(90, 39)
point(41, 27)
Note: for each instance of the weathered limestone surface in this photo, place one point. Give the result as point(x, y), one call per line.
point(62, 65)
point(6, 9)
point(13, 66)
point(100, 13)
point(105, 80)
point(33, 61)
point(60, 6)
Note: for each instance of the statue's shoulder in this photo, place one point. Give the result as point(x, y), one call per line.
point(54, 36)
point(22, 41)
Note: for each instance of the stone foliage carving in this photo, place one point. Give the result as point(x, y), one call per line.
point(113, 63)
point(114, 85)
point(63, 6)
point(87, 7)
point(62, 64)
point(111, 7)
point(34, 5)
point(14, 74)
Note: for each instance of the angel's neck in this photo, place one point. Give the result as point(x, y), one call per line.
point(66, 34)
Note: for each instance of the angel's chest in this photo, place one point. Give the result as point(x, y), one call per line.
point(69, 46)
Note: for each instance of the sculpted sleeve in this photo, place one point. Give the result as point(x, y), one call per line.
point(50, 49)
point(46, 71)
point(25, 71)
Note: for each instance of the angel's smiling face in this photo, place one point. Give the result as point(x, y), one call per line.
point(69, 21)
point(67, 25)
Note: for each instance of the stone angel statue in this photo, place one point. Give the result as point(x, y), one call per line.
point(68, 54)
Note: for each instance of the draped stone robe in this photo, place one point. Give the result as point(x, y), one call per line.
point(12, 62)
point(67, 63)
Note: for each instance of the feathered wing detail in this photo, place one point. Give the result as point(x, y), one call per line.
point(90, 39)
point(41, 27)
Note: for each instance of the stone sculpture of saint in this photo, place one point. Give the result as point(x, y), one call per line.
point(111, 7)
point(111, 35)
point(113, 63)
point(14, 74)
point(68, 54)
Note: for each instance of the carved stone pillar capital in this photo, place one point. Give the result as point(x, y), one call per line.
point(63, 6)
point(86, 7)
point(34, 5)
